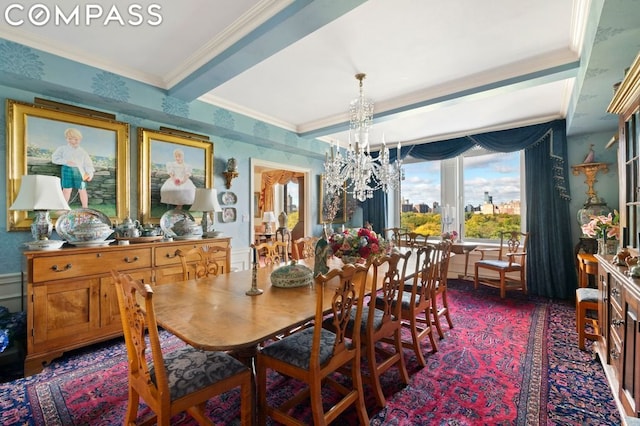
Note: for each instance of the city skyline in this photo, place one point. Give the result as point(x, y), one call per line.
point(498, 174)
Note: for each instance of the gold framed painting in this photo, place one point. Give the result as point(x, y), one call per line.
point(46, 141)
point(335, 206)
point(171, 167)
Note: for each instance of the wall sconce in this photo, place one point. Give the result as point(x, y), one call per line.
point(231, 172)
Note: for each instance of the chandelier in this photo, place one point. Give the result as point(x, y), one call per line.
point(354, 169)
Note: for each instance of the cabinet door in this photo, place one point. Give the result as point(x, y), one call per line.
point(603, 310)
point(64, 312)
point(168, 274)
point(109, 309)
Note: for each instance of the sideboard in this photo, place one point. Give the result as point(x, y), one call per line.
point(619, 344)
point(71, 299)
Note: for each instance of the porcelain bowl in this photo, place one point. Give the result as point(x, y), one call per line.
point(93, 230)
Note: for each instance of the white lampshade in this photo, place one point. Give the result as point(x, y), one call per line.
point(268, 217)
point(206, 200)
point(39, 192)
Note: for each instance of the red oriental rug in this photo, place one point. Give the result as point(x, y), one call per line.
point(493, 367)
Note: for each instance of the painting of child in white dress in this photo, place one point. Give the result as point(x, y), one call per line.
point(176, 170)
point(178, 189)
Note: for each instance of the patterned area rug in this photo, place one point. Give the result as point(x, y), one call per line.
point(512, 361)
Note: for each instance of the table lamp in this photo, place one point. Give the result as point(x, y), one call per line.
point(40, 194)
point(206, 201)
point(268, 218)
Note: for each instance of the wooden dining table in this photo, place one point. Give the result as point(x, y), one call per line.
point(215, 313)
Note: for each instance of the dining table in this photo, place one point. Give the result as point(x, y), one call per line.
point(215, 313)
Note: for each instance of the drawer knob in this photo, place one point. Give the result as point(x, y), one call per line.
point(616, 322)
point(614, 354)
point(129, 260)
point(615, 292)
point(55, 268)
point(170, 256)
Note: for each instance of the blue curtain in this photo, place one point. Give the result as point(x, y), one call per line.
point(550, 270)
point(374, 211)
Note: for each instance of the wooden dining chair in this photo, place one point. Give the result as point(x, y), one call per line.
point(416, 300)
point(181, 380)
point(312, 355)
point(415, 239)
point(272, 252)
point(439, 301)
point(304, 248)
point(381, 321)
point(210, 261)
point(511, 259)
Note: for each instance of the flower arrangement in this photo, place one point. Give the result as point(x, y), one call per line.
point(449, 235)
point(359, 243)
point(605, 227)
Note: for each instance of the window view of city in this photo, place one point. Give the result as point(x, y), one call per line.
point(490, 188)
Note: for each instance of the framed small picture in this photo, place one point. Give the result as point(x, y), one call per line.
point(89, 153)
point(171, 168)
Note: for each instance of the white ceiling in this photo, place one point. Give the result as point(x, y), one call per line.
point(435, 68)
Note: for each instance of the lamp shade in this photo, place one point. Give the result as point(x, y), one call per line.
point(39, 192)
point(206, 200)
point(268, 217)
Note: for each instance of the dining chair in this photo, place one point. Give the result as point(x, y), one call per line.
point(587, 301)
point(511, 259)
point(415, 239)
point(381, 322)
point(439, 301)
point(181, 380)
point(271, 252)
point(210, 261)
point(416, 300)
point(312, 355)
point(304, 248)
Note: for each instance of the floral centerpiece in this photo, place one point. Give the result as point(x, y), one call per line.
point(606, 229)
point(449, 235)
point(354, 245)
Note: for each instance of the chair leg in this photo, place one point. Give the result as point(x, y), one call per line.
point(356, 378)
point(475, 278)
point(503, 285)
point(315, 395)
point(132, 406)
point(402, 365)
point(261, 379)
point(580, 315)
point(374, 374)
point(445, 305)
point(436, 317)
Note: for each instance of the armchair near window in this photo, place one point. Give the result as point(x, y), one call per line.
point(511, 260)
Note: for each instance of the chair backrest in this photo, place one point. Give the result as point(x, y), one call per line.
point(512, 242)
point(446, 246)
point(428, 270)
point(272, 252)
point(135, 320)
point(304, 248)
point(350, 286)
point(387, 297)
point(395, 235)
point(210, 261)
point(415, 239)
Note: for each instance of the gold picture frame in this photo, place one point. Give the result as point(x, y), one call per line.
point(157, 149)
point(324, 203)
point(34, 134)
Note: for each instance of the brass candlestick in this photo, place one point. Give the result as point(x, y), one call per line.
point(254, 290)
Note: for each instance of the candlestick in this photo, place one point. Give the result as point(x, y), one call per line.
point(254, 290)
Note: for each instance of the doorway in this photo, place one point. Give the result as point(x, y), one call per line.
point(292, 197)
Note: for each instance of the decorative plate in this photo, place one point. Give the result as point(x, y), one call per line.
point(229, 198)
point(91, 243)
point(187, 237)
point(68, 221)
point(44, 245)
point(228, 214)
point(170, 218)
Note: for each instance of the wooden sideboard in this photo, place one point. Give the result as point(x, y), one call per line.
point(619, 343)
point(71, 300)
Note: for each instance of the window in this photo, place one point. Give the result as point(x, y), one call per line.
point(480, 193)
